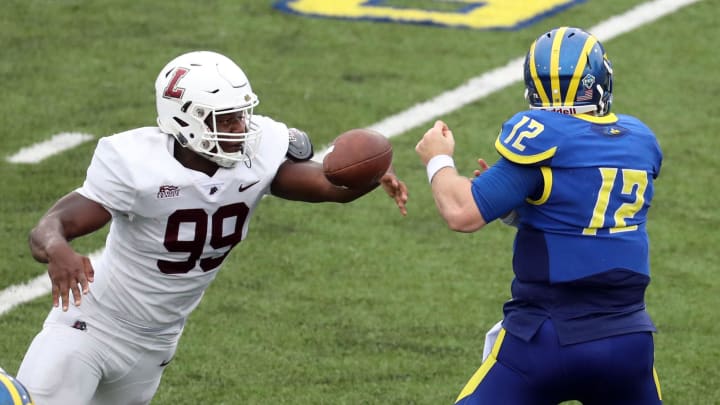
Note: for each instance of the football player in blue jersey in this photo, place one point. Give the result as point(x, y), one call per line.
point(578, 183)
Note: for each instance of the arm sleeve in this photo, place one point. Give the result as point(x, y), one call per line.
point(108, 179)
point(503, 187)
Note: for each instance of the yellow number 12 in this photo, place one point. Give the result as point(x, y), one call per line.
point(633, 182)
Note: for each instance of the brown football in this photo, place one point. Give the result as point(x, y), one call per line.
point(357, 158)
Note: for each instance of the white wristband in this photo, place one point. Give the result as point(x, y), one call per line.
point(436, 163)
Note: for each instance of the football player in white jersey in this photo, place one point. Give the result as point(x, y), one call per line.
point(179, 197)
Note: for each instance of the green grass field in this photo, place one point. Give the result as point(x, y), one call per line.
point(354, 304)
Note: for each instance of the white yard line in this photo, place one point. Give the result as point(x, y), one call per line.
point(499, 78)
point(53, 146)
point(422, 113)
point(21, 293)
point(18, 294)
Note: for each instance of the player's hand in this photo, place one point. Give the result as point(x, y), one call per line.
point(483, 166)
point(438, 140)
point(396, 189)
point(69, 272)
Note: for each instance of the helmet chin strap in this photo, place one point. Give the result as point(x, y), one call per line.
point(220, 161)
point(226, 162)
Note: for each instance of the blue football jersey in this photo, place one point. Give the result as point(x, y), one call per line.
point(581, 253)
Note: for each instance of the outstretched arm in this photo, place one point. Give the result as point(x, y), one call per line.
point(70, 217)
point(305, 181)
point(451, 191)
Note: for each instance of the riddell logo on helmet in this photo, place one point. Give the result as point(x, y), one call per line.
point(561, 110)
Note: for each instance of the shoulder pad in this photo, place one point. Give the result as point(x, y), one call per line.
point(526, 140)
point(300, 148)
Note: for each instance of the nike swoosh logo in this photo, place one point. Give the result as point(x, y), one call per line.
point(165, 362)
point(243, 188)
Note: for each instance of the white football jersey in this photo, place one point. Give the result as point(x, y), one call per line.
point(172, 227)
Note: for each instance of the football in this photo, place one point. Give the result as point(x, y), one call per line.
point(357, 158)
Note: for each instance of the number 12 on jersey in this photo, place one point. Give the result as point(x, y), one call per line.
point(634, 182)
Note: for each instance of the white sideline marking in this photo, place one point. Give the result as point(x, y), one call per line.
point(449, 101)
point(43, 150)
point(502, 77)
point(18, 294)
point(499, 78)
point(37, 287)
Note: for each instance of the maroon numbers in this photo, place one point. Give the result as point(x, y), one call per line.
point(198, 221)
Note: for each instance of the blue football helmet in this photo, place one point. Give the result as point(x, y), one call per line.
point(12, 392)
point(567, 71)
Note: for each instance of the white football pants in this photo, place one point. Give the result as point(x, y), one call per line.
point(101, 365)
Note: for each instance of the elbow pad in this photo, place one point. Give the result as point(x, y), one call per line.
point(300, 148)
point(512, 218)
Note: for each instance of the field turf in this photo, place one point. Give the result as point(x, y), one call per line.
point(354, 304)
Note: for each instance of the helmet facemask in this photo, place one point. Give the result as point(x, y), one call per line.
point(239, 146)
point(192, 91)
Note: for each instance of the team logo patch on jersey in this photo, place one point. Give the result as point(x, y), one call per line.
point(80, 325)
point(212, 188)
point(613, 130)
point(168, 191)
